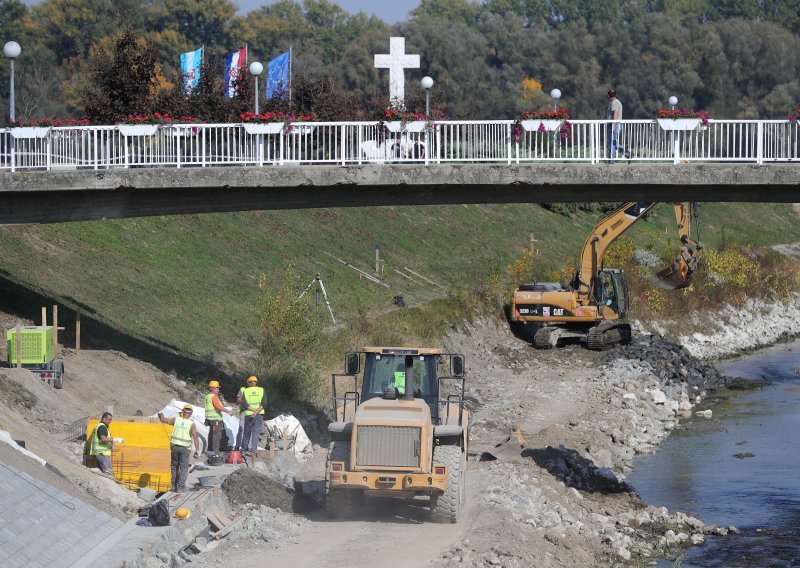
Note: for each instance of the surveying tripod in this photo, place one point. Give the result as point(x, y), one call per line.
point(318, 280)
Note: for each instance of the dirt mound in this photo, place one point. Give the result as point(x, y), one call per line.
point(248, 486)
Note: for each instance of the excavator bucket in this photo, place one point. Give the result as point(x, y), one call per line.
point(674, 276)
point(511, 447)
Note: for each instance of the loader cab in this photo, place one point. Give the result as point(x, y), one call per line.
point(382, 370)
point(611, 290)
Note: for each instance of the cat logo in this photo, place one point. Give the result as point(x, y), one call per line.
point(558, 311)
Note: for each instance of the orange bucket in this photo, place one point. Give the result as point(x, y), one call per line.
point(234, 456)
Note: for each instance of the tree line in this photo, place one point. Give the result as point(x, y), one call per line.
point(493, 60)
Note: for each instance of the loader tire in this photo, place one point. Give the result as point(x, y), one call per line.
point(339, 503)
point(445, 508)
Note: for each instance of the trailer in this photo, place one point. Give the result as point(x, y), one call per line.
point(37, 352)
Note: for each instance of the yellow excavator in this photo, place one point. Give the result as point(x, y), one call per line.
point(593, 307)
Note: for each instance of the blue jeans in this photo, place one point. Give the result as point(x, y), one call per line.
point(252, 432)
point(614, 145)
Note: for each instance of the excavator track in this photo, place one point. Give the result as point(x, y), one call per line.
point(544, 338)
point(607, 335)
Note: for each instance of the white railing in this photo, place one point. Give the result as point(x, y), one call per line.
point(346, 143)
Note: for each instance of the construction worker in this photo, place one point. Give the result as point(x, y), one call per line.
point(102, 443)
point(253, 399)
point(183, 432)
point(214, 410)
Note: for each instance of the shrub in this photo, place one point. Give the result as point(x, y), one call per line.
point(290, 336)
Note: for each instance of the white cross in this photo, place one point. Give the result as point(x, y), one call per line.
point(396, 61)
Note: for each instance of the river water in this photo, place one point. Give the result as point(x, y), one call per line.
point(741, 467)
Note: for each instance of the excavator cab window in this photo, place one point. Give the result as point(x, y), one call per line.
point(611, 291)
point(620, 292)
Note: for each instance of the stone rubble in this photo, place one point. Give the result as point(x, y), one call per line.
point(568, 498)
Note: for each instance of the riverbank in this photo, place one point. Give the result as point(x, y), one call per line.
point(561, 500)
point(737, 330)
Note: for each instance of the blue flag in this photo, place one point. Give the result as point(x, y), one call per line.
point(278, 75)
point(190, 69)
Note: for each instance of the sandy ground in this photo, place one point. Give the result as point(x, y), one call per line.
point(560, 501)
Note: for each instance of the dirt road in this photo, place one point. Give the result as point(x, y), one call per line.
point(559, 501)
point(545, 506)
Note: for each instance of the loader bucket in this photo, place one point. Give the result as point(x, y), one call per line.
point(511, 447)
point(674, 276)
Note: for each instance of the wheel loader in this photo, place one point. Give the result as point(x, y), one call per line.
point(400, 431)
point(593, 307)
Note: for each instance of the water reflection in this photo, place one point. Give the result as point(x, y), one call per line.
point(739, 468)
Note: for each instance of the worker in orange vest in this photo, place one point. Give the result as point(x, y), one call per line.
point(214, 410)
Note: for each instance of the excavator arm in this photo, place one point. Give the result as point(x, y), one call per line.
point(607, 230)
point(611, 226)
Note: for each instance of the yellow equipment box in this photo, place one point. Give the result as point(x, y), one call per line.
point(143, 459)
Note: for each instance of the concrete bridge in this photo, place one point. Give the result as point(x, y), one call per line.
point(83, 173)
point(50, 197)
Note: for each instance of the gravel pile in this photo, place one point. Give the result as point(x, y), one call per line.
point(248, 486)
point(670, 363)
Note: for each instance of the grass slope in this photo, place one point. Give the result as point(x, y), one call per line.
point(190, 284)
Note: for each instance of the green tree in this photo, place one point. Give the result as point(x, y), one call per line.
point(71, 27)
point(201, 22)
point(125, 78)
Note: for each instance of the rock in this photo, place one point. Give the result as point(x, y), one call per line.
point(624, 553)
point(698, 539)
point(491, 557)
point(147, 494)
point(658, 396)
point(704, 413)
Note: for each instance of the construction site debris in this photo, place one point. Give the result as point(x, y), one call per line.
point(248, 486)
point(296, 438)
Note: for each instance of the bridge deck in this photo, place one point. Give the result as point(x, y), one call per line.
point(48, 197)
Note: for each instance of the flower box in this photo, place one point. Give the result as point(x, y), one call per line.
point(263, 127)
point(137, 129)
point(411, 126)
point(532, 125)
point(679, 123)
point(29, 131)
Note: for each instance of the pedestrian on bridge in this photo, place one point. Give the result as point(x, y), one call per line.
point(253, 400)
point(614, 114)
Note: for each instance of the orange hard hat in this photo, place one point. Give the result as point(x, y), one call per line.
point(188, 407)
point(213, 384)
point(252, 379)
point(183, 513)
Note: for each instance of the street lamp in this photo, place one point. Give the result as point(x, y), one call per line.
point(427, 84)
point(256, 69)
point(555, 94)
point(673, 100)
point(12, 50)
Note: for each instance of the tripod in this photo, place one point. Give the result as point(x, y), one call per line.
point(318, 280)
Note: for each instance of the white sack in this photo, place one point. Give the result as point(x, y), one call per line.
point(293, 430)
